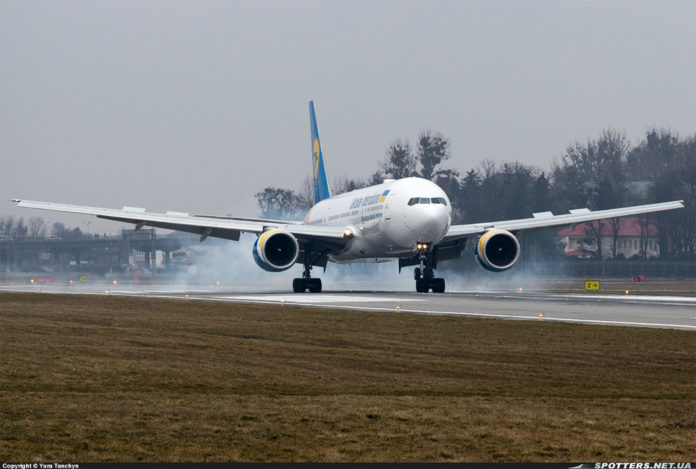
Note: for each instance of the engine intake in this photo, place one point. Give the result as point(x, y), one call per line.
point(276, 250)
point(497, 250)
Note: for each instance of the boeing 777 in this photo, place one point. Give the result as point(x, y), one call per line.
point(408, 220)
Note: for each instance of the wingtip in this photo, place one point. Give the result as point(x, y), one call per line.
point(16, 200)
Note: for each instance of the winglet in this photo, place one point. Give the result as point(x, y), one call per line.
point(321, 184)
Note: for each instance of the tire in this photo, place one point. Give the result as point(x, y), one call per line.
point(439, 285)
point(315, 285)
point(416, 273)
point(298, 285)
point(422, 286)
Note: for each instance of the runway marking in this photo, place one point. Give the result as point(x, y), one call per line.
point(646, 298)
point(468, 314)
point(548, 318)
point(313, 298)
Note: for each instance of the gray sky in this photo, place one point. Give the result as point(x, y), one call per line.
point(196, 106)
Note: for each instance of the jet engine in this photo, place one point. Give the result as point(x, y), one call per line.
point(275, 250)
point(497, 250)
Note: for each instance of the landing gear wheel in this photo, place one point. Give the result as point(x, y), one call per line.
point(422, 285)
point(306, 282)
point(315, 285)
point(438, 285)
point(425, 273)
point(298, 285)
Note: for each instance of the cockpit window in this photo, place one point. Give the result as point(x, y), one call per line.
point(427, 200)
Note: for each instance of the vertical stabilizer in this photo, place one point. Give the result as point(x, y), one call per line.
point(321, 185)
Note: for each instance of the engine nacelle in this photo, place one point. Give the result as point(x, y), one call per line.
point(276, 250)
point(497, 250)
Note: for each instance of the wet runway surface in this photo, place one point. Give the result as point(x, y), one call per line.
point(621, 310)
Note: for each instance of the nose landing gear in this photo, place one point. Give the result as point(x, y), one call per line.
point(427, 281)
point(425, 275)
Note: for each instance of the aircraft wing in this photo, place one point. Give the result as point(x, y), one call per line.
point(548, 219)
point(228, 228)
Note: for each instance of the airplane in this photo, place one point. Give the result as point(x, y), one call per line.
point(408, 220)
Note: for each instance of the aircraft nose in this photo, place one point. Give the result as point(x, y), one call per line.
point(433, 220)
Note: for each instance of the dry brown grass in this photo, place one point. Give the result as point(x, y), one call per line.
point(92, 378)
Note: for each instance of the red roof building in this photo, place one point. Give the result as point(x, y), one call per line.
point(634, 237)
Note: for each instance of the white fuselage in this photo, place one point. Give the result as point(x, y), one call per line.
point(412, 212)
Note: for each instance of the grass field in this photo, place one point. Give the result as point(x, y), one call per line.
point(103, 378)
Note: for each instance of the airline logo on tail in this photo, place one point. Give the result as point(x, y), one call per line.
point(316, 152)
point(321, 184)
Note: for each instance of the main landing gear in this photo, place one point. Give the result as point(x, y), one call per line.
point(425, 276)
point(300, 285)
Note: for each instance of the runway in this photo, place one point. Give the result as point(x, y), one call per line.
point(674, 312)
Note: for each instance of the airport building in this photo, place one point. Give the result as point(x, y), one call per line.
point(634, 236)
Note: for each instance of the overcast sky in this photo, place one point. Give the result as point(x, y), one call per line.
point(195, 106)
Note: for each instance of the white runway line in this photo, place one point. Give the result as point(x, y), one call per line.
point(313, 298)
point(498, 316)
point(629, 297)
point(549, 318)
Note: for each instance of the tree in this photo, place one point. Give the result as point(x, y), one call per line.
point(593, 175)
point(400, 161)
point(666, 166)
point(59, 231)
point(541, 193)
point(686, 158)
point(7, 225)
point(37, 227)
point(432, 150)
point(344, 184)
point(20, 229)
point(282, 204)
point(469, 199)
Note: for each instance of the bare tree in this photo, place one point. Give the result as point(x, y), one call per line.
point(20, 229)
point(58, 230)
point(8, 225)
point(37, 227)
point(281, 203)
point(593, 175)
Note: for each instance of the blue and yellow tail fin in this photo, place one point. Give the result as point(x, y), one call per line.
point(321, 184)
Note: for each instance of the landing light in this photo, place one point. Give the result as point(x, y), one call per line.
point(347, 234)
